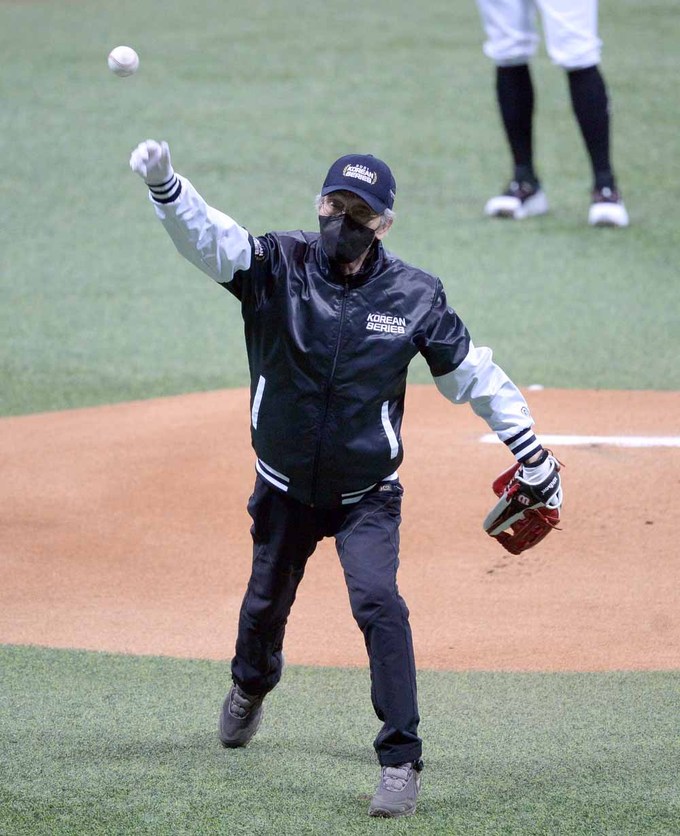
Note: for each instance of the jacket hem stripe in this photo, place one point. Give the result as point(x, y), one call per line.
point(273, 472)
point(362, 491)
point(263, 473)
point(352, 499)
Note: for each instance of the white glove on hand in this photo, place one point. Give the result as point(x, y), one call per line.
point(151, 160)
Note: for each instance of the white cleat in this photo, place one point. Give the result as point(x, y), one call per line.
point(521, 200)
point(607, 209)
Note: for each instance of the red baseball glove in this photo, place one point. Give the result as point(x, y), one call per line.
point(529, 505)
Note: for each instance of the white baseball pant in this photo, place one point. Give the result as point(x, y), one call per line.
point(569, 27)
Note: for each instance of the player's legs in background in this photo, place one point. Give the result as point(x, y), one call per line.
point(572, 42)
point(510, 28)
point(511, 40)
point(367, 542)
point(515, 94)
point(591, 107)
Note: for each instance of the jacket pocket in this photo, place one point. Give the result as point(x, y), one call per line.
point(257, 400)
point(389, 430)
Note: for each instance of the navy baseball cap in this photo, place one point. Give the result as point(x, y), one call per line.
point(366, 176)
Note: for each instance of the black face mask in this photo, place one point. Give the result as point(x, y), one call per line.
point(344, 239)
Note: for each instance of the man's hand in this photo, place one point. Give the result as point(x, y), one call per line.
point(151, 160)
point(529, 504)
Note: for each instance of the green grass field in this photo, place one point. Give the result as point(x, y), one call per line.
point(256, 99)
point(103, 744)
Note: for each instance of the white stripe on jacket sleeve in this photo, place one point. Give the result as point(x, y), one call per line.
point(494, 397)
point(206, 237)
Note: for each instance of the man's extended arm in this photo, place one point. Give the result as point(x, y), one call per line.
point(209, 239)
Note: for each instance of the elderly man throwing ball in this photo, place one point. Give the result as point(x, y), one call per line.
point(332, 321)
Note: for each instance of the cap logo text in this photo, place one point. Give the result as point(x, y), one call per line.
point(360, 172)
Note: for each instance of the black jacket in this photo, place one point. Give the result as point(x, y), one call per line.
point(328, 362)
point(329, 358)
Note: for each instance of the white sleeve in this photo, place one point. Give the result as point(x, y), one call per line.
point(494, 397)
point(207, 238)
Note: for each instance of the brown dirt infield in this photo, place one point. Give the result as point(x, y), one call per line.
point(124, 529)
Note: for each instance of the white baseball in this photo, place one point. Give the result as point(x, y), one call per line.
point(123, 60)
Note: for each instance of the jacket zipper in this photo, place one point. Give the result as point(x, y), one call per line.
point(317, 456)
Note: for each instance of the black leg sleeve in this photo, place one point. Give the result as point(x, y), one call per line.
point(591, 108)
point(515, 93)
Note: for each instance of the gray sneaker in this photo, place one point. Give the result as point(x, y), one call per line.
point(397, 791)
point(240, 718)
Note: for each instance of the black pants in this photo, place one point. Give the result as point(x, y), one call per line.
point(285, 534)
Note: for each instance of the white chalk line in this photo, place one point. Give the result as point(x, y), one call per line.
point(599, 440)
